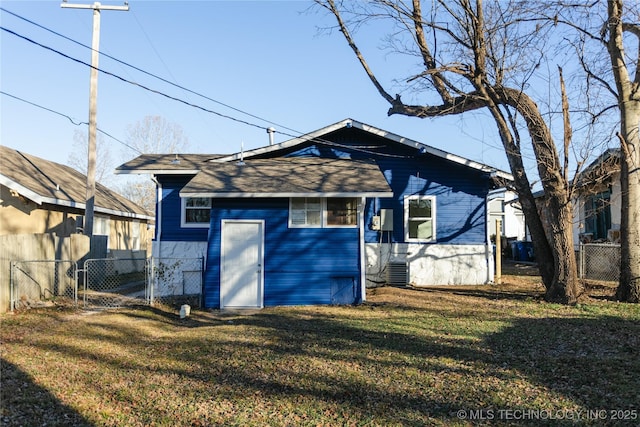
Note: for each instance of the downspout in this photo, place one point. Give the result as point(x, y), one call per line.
point(158, 217)
point(363, 266)
point(491, 194)
point(489, 248)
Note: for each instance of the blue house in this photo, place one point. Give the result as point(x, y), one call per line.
point(319, 218)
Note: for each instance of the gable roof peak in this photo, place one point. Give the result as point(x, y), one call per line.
point(350, 123)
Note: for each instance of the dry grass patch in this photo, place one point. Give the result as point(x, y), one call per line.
point(406, 357)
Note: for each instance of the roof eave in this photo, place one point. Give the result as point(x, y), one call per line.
point(40, 200)
point(226, 195)
point(375, 131)
point(22, 190)
point(157, 171)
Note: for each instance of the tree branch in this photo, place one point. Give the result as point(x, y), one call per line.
point(331, 6)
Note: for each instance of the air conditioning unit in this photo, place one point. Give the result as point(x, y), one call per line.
point(397, 273)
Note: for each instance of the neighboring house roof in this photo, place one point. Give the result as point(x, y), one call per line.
point(166, 164)
point(289, 177)
point(350, 123)
point(601, 170)
point(43, 181)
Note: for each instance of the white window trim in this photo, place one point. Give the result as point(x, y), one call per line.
point(100, 221)
point(406, 218)
point(135, 235)
point(183, 216)
point(323, 214)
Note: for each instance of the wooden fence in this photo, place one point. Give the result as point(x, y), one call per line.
point(42, 247)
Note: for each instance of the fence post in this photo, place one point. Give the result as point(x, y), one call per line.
point(581, 261)
point(75, 280)
point(152, 275)
point(202, 282)
point(11, 285)
point(86, 279)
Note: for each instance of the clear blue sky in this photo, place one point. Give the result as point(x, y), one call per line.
point(263, 57)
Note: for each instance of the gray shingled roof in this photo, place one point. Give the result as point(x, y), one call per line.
point(288, 177)
point(43, 181)
point(166, 163)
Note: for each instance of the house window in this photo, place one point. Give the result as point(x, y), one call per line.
point(342, 212)
point(305, 211)
point(319, 212)
point(598, 215)
point(420, 218)
point(196, 211)
point(102, 227)
point(135, 235)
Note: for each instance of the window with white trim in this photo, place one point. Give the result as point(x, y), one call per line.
point(342, 212)
point(317, 212)
point(102, 227)
point(135, 235)
point(420, 218)
point(305, 212)
point(196, 212)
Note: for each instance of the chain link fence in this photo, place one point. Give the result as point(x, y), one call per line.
point(107, 282)
point(39, 283)
point(113, 282)
point(599, 261)
point(175, 281)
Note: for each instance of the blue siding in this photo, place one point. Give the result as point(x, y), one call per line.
point(460, 191)
point(299, 263)
point(171, 211)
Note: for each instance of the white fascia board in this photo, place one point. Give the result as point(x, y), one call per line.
point(375, 131)
point(22, 190)
point(286, 144)
point(39, 200)
point(432, 150)
point(123, 214)
point(157, 172)
point(381, 194)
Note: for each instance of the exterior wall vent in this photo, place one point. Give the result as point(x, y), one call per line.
point(397, 273)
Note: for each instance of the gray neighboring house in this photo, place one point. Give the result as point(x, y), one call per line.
point(598, 200)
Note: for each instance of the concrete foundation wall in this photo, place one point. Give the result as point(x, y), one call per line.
point(431, 264)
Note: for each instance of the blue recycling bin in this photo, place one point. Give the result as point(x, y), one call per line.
point(522, 251)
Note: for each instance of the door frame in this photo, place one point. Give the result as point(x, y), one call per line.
point(261, 222)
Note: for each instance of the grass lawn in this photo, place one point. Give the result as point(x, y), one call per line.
point(494, 355)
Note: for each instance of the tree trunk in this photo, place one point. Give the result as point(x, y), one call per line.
point(629, 286)
point(555, 211)
point(629, 104)
point(552, 236)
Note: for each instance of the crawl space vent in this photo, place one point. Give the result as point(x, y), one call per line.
point(397, 273)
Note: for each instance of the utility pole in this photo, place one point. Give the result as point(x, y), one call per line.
point(93, 107)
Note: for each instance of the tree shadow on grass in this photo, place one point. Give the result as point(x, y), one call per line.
point(589, 362)
point(594, 361)
point(494, 293)
point(23, 403)
point(379, 369)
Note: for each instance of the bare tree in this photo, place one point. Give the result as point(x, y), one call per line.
point(150, 135)
point(156, 135)
point(607, 46)
point(78, 157)
point(475, 56)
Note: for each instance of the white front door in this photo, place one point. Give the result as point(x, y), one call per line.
point(241, 264)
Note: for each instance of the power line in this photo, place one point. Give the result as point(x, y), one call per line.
point(299, 134)
point(131, 82)
point(70, 119)
point(149, 73)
